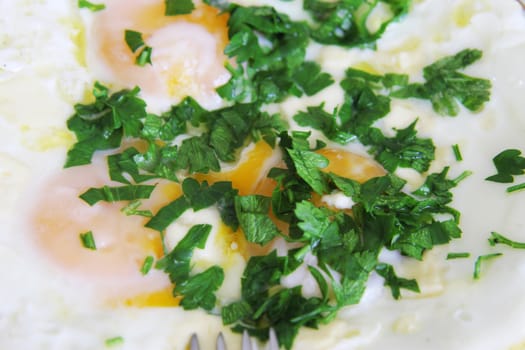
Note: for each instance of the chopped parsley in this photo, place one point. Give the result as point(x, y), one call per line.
point(133, 209)
point(271, 65)
point(114, 194)
point(114, 341)
point(460, 255)
point(147, 265)
point(444, 86)
point(344, 22)
point(178, 7)
point(496, 238)
point(85, 4)
point(480, 259)
point(457, 152)
point(136, 44)
point(87, 240)
point(508, 163)
point(197, 289)
point(515, 188)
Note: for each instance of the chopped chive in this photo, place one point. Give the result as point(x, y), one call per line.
point(479, 260)
point(114, 341)
point(457, 152)
point(497, 238)
point(461, 255)
point(516, 188)
point(88, 241)
point(146, 265)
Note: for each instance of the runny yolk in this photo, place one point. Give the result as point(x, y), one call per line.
point(187, 50)
point(350, 165)
point(122, 242)
point(252, 168)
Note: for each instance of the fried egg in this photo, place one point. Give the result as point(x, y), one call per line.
point(56, 294)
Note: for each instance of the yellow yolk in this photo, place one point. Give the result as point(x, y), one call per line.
point(247, 174)
point(351, 165)
point(122, 242)
point(187, 50)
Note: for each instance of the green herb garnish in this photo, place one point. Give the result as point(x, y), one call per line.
point(344, 22)
point(115, 194)
point(84, 4)
point(178, 7)
point(87, 240)
point(496, 238)
point(461, 255)
point(147, 265)
point(114, 341)
point(480, 259)
point(135, 43)
point(445, 86)
point(457, 152)
point(508, 163)
point(198, 289)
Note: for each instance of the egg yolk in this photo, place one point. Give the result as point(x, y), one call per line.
point(187, 50)
point(122, 242)
point(350, 165)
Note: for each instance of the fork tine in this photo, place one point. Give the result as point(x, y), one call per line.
point(273, 344)
point(221, 344)
point(246, 343)
point(194, 342)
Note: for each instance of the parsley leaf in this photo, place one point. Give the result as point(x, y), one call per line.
point(167, 214)
point(394, 282)
point(197, 156)
point(252, 213)
point(115, 194)
point(310, 79)
point(508, 163)
point(102, 124)
point(404, 150)
point(344, 22)
point(444, 85)
point(327, 123)
point(178, 7)
point(135, 43)
point(308, 165)
point(197, 290)
point(221, 193)
point(270, 52)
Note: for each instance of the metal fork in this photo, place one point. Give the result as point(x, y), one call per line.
point(247, 342)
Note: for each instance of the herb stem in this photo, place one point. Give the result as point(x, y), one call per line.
point(462, 176)
point(515, 188)
point(480, 259)
point(497, 238)
point(457, 152)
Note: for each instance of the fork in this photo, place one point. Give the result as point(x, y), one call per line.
point(247, 342)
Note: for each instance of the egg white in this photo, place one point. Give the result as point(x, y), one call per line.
point(43, 72)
